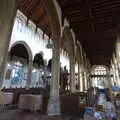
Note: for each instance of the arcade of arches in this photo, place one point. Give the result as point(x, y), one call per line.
point(45, 66)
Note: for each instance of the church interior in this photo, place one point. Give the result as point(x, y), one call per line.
point(59, 60)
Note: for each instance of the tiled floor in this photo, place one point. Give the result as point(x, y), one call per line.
point(23, 115)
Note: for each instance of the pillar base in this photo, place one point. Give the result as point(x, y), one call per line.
point(54, 106)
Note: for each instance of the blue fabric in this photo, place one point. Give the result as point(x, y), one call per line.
point(89, 110)
point(98, 115)
point(111, 114)
point(102, 90)
point(17, 79)
point(116, 88)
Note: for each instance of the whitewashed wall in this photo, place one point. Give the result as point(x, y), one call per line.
point(22, 32)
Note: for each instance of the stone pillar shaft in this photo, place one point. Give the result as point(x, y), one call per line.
point(108, 79)
point(29, 75)
point(72, 75)
point(45, 73)
point(114, 74)
point(81, 80)
point(85, 79)
point(117, 74)
point(79, 74)
point(54, 101)
point(90, 82)
point(7, 14)
point(118, 58)
point(83, 75)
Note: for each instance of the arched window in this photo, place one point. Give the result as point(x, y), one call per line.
point(16, 74)
point(99, 76)
point(99, 70)
point(38, 71)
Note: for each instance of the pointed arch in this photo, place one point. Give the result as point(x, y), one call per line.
point(25, 45)
point(68, 41)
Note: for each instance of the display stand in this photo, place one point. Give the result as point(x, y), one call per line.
point(115, 95)
point(103, 107)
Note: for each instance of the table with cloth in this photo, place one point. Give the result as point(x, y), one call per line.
point(30, 102)
point(6, 98)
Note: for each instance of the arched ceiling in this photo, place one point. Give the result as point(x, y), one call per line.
point(35, 11)
point(94, 23)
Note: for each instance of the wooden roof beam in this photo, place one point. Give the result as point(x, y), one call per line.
point(68, 9)
point(63, 1)
point(92, 25)
point(33, 8)
point(38, 21)
point(78, 7)
point(107, 5)
point(106, 17)
point(78, 20)
point(46, 27)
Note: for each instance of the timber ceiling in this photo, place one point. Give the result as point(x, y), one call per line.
point(35, 11)
point(94, 23)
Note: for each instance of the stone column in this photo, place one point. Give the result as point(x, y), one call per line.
point(117, 74)
point(83, 72)
point(8, 10)
point(29, 75)
point(113, 73)
point(85, 79)
point(115, 69)
point(81, 80)
point(45, 73)
point(72, 75)
point(83, 75)
point(79, 74)
point(90, 81)
point(54, 101)
point(87, 76)
point(109, 83)
point(118, 58)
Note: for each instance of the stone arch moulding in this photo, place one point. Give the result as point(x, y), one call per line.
point(68, 41)
point(77, 55)
point(79, 48)
point(54, 20)
point(25, 45)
